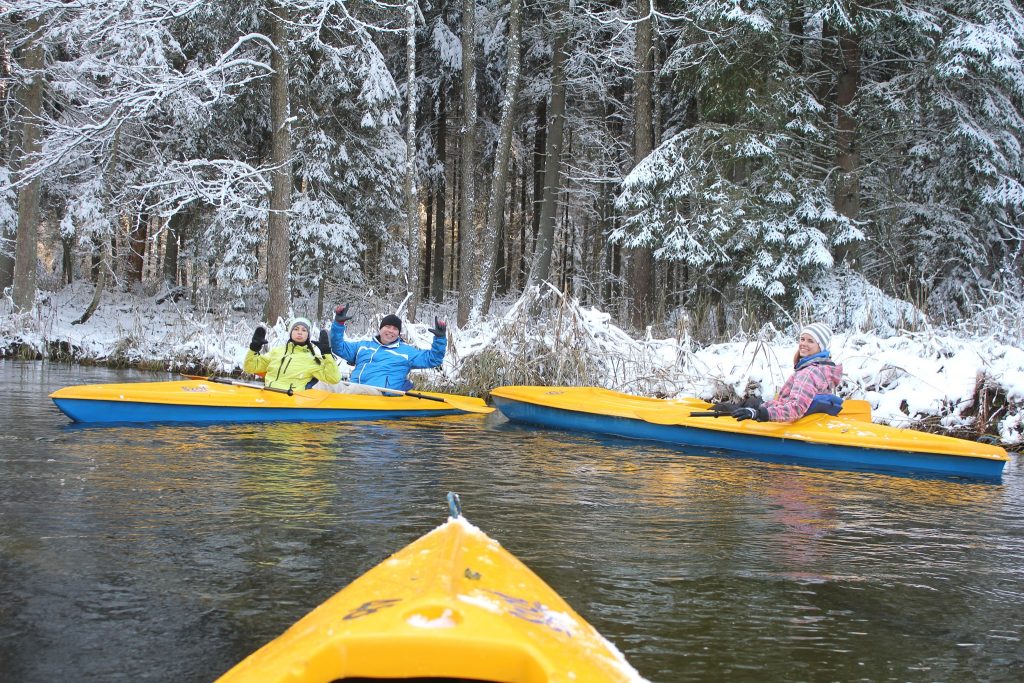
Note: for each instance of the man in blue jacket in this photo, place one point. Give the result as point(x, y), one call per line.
point(385, 361)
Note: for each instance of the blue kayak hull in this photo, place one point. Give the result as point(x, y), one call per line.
point(772, 448)
point(113, 412)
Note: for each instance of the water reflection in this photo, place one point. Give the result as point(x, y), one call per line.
point(179, 549)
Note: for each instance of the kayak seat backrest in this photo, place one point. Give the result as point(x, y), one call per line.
point(830, 404)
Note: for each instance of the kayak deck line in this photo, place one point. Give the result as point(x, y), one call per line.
point(211, 402)
point(848, 439)
point(452, 604)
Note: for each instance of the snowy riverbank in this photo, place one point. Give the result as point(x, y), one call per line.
point(935, 379)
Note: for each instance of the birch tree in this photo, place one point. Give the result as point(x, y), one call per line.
point(412, 213)
point(494, 232)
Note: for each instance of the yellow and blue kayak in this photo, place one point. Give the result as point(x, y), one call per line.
point(453, 604)
point(847, 441)
point(206, 401)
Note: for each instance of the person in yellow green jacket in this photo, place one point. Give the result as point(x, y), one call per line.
point(296, 365)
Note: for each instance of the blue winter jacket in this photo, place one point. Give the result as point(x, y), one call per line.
point(387, 366)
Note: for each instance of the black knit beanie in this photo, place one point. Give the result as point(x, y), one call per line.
point(391, 320)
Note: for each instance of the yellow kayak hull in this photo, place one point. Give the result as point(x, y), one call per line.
point(849, 439)
point(206, 401)
point(454, 603)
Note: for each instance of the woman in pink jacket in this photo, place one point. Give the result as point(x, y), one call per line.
point(815, 373)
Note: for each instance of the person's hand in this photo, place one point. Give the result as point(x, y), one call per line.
point(439, 329)
point(259, 338)
point(724, 408)
point(341, 314)
point(324, 343)
point(759, 414)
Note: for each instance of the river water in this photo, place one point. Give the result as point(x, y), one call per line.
point(171, 552)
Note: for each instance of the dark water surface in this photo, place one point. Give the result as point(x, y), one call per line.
point(169, 553)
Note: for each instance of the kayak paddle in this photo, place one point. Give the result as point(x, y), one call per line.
point(853, 409)
point(453, 401)
point(239, 383)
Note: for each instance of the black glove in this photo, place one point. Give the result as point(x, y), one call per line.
point(324, 343)
point(341, 314)
point(724, 408)
point(440, 327)
point(259, 338)
point(759, 414)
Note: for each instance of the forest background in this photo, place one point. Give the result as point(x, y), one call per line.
point(695, 169)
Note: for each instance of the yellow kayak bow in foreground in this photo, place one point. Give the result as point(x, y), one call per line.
point(453, 604)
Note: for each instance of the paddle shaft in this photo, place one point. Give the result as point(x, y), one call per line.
point(237, 383)
point(707, 413)
point(398, 392)
point(455, 403)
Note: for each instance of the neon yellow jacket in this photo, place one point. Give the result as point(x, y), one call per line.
point(292, 366)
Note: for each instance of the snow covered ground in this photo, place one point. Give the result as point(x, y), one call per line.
point(930, 374)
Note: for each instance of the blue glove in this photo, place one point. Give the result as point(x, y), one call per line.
point(341, 314)
point(759, 414)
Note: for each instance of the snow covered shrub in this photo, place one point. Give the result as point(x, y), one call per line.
point(536, 342)
point(845, 300)
point(999, 313)
point(547, 338)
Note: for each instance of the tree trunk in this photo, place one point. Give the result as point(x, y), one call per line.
point(456, 230)
point(175, 228)
point(278, 250)
point(321, 292)
point(467, 277)
point(847, 197)
point(105, 267)
point(522, 270)
point(137, 238)
point(67, 260)
point(8, 233)
point(541, 269)
point(794, 56)
point(24, 281)
point(412, 212)
point(494, 233)
point(830, 62)
point(437, 277)
point(641, 261)
point(540, 143)
point(503, 266)
point(428, 243)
